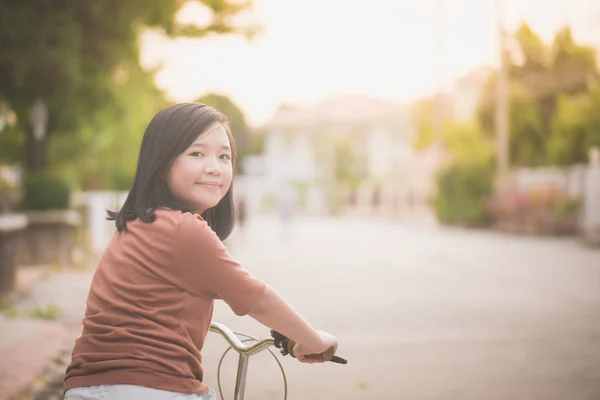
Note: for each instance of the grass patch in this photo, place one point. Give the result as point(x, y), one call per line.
point(49, 313)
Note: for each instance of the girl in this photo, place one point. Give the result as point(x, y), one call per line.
point(150, 303)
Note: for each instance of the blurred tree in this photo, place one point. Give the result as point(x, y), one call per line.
point(575, 128)
point(423, 114)
point(114, 139)
point(464, 185)
point(539, 75)
point(463, 188)
point(68, 54)
point(532, 50)
point(526, 123)
point(466, 142)
point(11, 142)
point(237, 120)
point(256, 140)
point(574, 67)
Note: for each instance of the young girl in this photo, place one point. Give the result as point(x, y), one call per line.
point(150, 303)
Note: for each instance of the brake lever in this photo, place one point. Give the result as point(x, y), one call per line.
point(286, 346)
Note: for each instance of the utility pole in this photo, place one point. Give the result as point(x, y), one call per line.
point(502, 123)
point(439, 14)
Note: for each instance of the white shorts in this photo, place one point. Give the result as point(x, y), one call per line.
point(133, 392)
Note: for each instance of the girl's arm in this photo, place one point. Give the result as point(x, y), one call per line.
point(277, 314)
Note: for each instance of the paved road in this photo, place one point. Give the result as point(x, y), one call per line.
point(425, 313)
point(422, 313)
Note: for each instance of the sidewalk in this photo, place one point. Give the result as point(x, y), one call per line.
point(38, 329)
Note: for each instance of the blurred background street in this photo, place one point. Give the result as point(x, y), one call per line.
point(426, 313)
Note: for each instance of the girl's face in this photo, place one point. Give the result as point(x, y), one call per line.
point(201, 175)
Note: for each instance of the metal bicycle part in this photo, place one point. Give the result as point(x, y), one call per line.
point(244, 351)
point(286, 345)
point(237, 344)
point(285, 388)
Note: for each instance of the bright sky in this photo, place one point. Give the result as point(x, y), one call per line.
point(313, 49)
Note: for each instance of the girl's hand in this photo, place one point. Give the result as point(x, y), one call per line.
point(327, 341)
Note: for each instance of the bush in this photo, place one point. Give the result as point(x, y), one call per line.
point(567, 207)
point(462, 192)
point(119, 179)
point(45, 191)
point(537, 210)
point(9, 195)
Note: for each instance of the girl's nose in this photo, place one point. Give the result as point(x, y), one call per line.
point(213, 167)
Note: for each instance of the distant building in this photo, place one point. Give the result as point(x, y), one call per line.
point(300, 150)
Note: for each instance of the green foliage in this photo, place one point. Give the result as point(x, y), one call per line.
point(462, 191)
point(49, 313)
point(11, 141)
point(464, 140)
point(546, 122)
point(10, 195)
point(467, 142)
point(533, 50)
point(8, 308)
point(11, 146)
point(540, 210)
point(565, 206)
point(68, 54)
point(423, 115)
point(45, 191)
point(256, 141)
point(575, 127)
point(113, 140)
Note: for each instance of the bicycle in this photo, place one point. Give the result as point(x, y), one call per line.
point(245, 351)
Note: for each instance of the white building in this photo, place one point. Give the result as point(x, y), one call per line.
point(300, 149)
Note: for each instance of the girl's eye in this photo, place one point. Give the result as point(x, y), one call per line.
point(226, 157)
point(196, 154)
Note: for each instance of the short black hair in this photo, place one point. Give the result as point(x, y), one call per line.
point(169, 134)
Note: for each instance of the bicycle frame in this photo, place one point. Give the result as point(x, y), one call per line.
point(244, 353)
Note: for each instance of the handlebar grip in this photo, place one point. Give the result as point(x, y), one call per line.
point(327, 355)
point(287, 347)
point(338, 360)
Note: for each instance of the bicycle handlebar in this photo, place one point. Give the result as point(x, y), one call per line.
point(237, 344)
point(278, 340)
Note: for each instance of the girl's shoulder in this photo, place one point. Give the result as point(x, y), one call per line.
point(179, 220)
point(167, 221)
point(175, 215)
point(187, 231)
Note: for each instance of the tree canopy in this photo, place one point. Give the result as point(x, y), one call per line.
point(78, 58)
